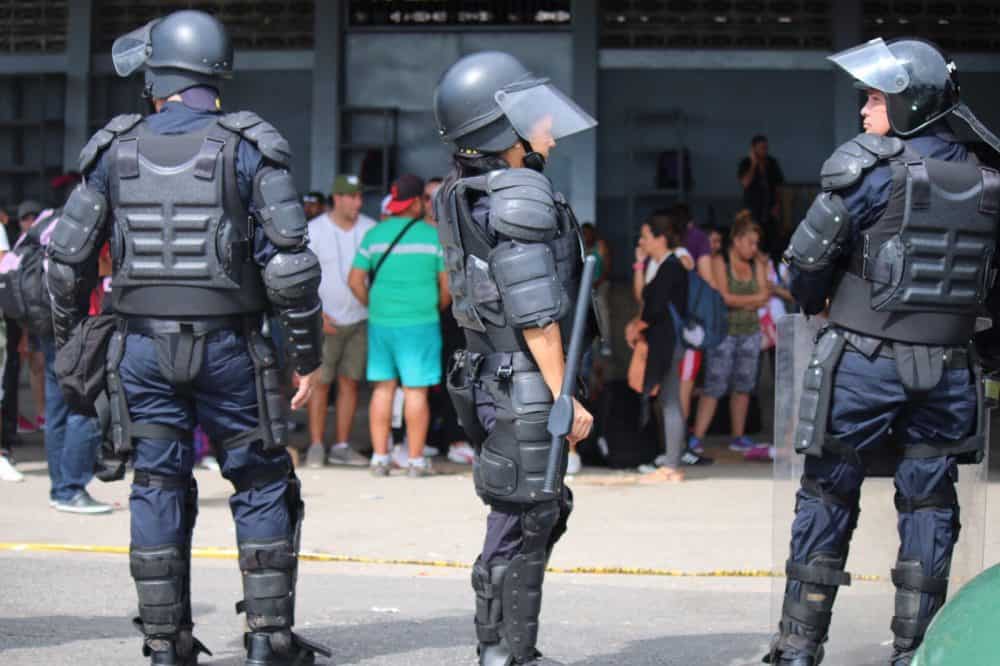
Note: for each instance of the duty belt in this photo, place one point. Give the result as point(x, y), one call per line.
point(198, 327)
point(955, 358)
point(503, 365)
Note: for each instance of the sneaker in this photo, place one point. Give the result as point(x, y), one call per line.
point(314, 457)
point(24, 426)
point(343, 454)
point(431, 451)
point(209, 462)
point(461, 453)
point(694, 444)
point(40, 422)
point(8, 472)
point(692, 459)
point(741, 444)
point(573, 463)
point(759, 453)
point(419, 471)
point(82, 502)
point(380, 468)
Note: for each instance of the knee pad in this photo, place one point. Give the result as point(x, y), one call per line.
point(161, 575)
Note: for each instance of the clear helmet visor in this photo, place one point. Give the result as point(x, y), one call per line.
point(541, 112)
point(874, 66)
point(130, 51)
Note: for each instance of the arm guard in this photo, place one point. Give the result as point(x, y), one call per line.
point(72, 254)
point(525, 274)
point(278, 209)
point(522, 206)
point(292, 281)
point(820, 237)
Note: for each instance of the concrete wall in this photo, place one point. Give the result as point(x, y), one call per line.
point(393, 69)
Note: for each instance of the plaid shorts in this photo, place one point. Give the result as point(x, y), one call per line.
point(733, 365)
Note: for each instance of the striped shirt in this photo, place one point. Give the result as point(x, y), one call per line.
point(406, 288)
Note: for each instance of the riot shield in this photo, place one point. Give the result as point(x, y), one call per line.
point(863, 610)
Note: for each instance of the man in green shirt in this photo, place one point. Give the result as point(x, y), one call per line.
point(399, 274)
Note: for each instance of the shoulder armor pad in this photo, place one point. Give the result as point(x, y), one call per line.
point(849, 162)
point(522, 205)
point(260, 133)
point(103, 138)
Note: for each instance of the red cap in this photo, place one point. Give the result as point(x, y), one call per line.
point(404, 192)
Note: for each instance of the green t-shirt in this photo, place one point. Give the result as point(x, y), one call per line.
point(406, 288)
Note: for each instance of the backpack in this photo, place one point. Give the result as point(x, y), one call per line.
point(24, 294)
point(705, 325)
point(618, 418)
point(80, 364)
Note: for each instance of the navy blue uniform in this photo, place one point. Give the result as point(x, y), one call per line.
point(869, 399)
point(222, 399)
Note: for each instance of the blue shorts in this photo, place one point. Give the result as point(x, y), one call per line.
point(411, 354)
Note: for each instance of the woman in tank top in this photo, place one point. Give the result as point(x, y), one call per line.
point(732, 366)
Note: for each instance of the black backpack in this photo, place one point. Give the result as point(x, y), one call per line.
point(24, 295)
point(618, 413)
point(81, 363)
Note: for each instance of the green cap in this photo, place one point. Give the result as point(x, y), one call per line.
point(346, 184)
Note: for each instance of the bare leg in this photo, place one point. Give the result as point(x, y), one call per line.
point(380, 416)
point(739, 404)
point(706, 412)
point(347, 406)
point(417, 414)
point(317, 412)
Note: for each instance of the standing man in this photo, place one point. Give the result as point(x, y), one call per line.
point(335, 237)
point(399, 274)
point(760, 177)
point(514, 260)
point(897, 352)
point(207, 236)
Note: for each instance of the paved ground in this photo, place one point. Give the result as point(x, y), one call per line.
point(68, 608)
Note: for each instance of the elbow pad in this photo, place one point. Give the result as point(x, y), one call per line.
point(526, 277)
point(522, 206)
point(820, 237)
point(74, 238)
point(68, 298)
point(278, 208)
point(292, 282)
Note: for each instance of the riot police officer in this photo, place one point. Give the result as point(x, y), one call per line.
point(513, 253)
point(899, 246)
point(207, 235)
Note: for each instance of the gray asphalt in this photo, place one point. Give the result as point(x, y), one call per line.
point(74, 609)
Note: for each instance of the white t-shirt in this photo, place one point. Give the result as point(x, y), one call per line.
point(654, 265)
point(336, 248)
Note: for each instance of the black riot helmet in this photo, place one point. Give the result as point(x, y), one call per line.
point(488, 101)
point(919, 81)
point(185, 49)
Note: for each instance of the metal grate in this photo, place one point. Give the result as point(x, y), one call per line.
point(33, 26)
point(443, 13)
point(955, 26)
point(252, 24)
point(716, 24)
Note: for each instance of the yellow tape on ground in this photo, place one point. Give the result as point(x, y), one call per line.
point(230, 554)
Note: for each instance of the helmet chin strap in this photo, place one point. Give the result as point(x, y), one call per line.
point(983, 132)
point(532, 160)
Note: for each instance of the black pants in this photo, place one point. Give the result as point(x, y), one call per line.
point(11, 374)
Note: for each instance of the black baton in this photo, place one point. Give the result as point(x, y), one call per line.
point(561, 417)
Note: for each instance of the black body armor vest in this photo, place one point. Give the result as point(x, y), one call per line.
point(920, 274)
point(477, 300)
point(182, 238)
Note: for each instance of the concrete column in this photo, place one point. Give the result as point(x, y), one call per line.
point(77, 111)
point(327, 91)
point(847, 31)
point(585, 50)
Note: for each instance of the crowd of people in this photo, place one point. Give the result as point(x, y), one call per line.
point(388, 323)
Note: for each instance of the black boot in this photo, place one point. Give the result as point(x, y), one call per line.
point(280, 648)
point(180, 650)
